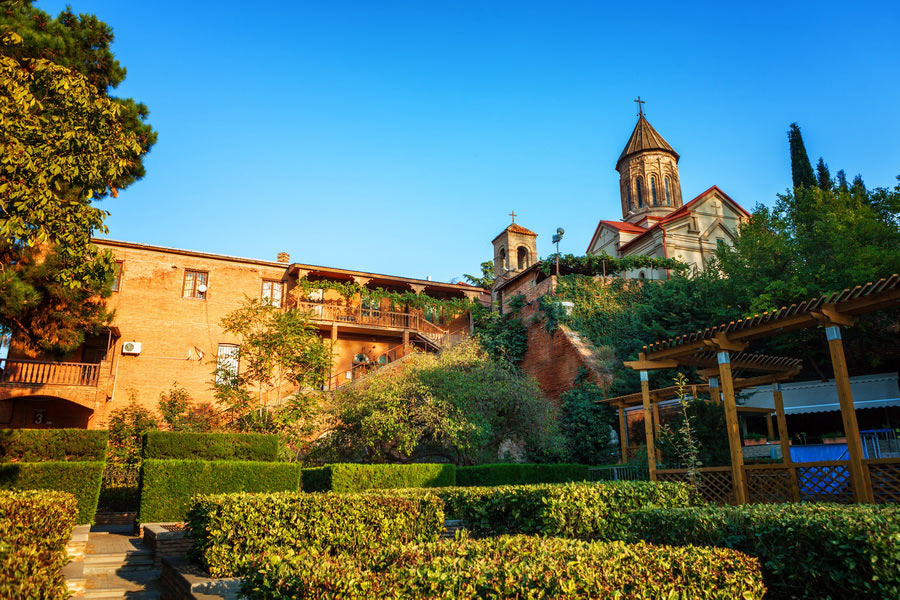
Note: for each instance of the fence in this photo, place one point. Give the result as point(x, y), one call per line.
point(615, 473)
point(33, 372)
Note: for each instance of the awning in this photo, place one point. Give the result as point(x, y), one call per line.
point(869, 391)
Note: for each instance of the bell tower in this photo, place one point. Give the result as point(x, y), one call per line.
point(649, 183)
point(515, 249)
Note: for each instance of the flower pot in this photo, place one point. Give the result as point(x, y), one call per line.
point(840, 440)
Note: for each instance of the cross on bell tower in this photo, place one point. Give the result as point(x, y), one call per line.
point(513, 215)
point(640, 104)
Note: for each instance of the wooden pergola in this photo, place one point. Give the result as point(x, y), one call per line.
point(728, 342)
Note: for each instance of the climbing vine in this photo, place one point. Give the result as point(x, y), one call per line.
point(349, 289)
point(604, 264)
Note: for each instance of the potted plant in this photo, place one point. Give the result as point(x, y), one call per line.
point(755, 439)
point(834, 437)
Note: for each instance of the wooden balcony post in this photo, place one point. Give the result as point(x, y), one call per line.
point(731, 423)
point(623, 435)
point(648, 425)
point(861, 491)
point(714, 390)
point(770, 430)
point(785, 441)
point(657, 423)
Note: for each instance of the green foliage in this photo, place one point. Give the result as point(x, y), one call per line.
point(181, 413)
point(587, 424)
point(34, 529)
point(120, 488)
point(683, 438)
point(460, 405)
point(504, 337)
point(806, 550)
point(167, 486)
point(230, 529)
point(576, 510)
point(487, 278)
point(526, 568)
point(604, 264)
point(211, 446)
point(81, 479)
point(707, 430)
point(351, 477)
point(801, 168)
point(520, 474)
point(448, 307)
point(36, 445)
point(127, 426)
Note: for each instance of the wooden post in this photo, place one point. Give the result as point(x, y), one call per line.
point(334, 335)
point(657, 423)
point(648, 425)
point(714, 389)
point(623, 435)
point(731, 423)
point(770, 429)
point(861, 491)
point(785, 441)
point(405, 338)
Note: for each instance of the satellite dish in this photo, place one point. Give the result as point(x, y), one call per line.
point(201, 288)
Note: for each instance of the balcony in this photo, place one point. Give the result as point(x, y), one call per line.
point(35, 372)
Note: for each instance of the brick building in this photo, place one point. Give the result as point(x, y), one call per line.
point(168, 307)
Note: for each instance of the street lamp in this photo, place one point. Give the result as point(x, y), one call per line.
point(556, 239)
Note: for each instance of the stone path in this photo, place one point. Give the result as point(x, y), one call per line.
point(115, 564)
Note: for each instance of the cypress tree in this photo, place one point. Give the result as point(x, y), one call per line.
point(823, 175)
point(858, 186)
point(842, 181)
point(801, 168)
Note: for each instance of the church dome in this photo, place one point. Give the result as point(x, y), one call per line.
point(645, 138)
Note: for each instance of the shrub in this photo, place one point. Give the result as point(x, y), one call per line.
point(211, 446)
point(229, 529)
point(351, 477)
point(35, 526)
point(120, 490)
point(576, 510)
point(81, 479)
point(511, 567)
point(168, 485)
point(38, 445)
point(520, 474)
point(806, 550)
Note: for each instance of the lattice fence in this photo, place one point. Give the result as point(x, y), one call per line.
point(885, 478)
point(714, 485)
point(825, 483)
point(768, 485)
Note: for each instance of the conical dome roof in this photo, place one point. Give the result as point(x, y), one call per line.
point(643, 138)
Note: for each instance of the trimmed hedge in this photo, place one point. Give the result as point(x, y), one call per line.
point(35, 526)
point(229, 529)
point(211, 446)
point(519, 567)
point(806, 550)
point(521, 474)
point(39, 445)
point(81, 479)
point(352, 477)
point(586, 511)
point(168, 485)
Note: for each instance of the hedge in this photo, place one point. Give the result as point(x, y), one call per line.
point(35, 526)
point(806, 550)
point(521, 474)
point(168, 485)
point(352, 477)
point(38, 445)
point(576, 510)
point(81, 479)
point(211, 446)
point(519, 567)
point(229, 529)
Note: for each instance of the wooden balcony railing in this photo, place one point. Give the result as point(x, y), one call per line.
point(34, 372)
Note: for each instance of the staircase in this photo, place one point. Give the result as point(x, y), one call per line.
point(114, 565)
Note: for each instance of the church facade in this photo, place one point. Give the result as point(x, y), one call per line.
point(655, 220)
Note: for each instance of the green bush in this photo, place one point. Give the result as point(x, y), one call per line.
point(35, 526)
point(352, 477)
point(211, 446)
point(229, 529)
point(520, 474)
point(38, 445)
point(81, 479)
point(519, 567)
point(575, 510)
point(168, 485)
point(806, 550)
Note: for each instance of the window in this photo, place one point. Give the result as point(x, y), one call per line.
point(194, 284)
point(653, 190)
point(640, 192)
point(630, 201)
point(227, 363)
point(522, 257)
point(272, 292)
point(370, 307)
point(641, 275)
point(118, 280)
point(501, 258)
point(668, 192)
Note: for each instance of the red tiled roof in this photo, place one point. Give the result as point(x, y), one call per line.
point(519, 229)
point(622, 226)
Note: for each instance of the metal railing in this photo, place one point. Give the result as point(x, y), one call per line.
point(615, 473)
point(34, 372)
point(362, 370)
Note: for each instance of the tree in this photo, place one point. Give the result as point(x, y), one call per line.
point(181, 413)
point(801, 169)
point(460, 405)
point(486, 280)
point(823, 176)
point(279, 353)
point(64, 146)
point(587, 424)
point(127, 426)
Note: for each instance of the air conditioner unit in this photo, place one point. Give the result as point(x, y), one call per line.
point(131, 348)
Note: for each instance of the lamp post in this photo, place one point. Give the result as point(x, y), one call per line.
point(556, 239)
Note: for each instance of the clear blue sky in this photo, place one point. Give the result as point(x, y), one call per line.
point(396, 136)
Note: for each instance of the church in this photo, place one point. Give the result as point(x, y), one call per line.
point(655, 220)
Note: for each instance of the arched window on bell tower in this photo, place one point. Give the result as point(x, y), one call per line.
point(653, 191)
point(522, 258)
point(668, 192)
point(630, 201)
point(638, 184)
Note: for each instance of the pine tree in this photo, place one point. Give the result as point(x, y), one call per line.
point(842, 181)
point(859, 188)
point(801, 168)
point(823, 175)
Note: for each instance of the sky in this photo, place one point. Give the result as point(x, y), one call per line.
point(395, 137)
